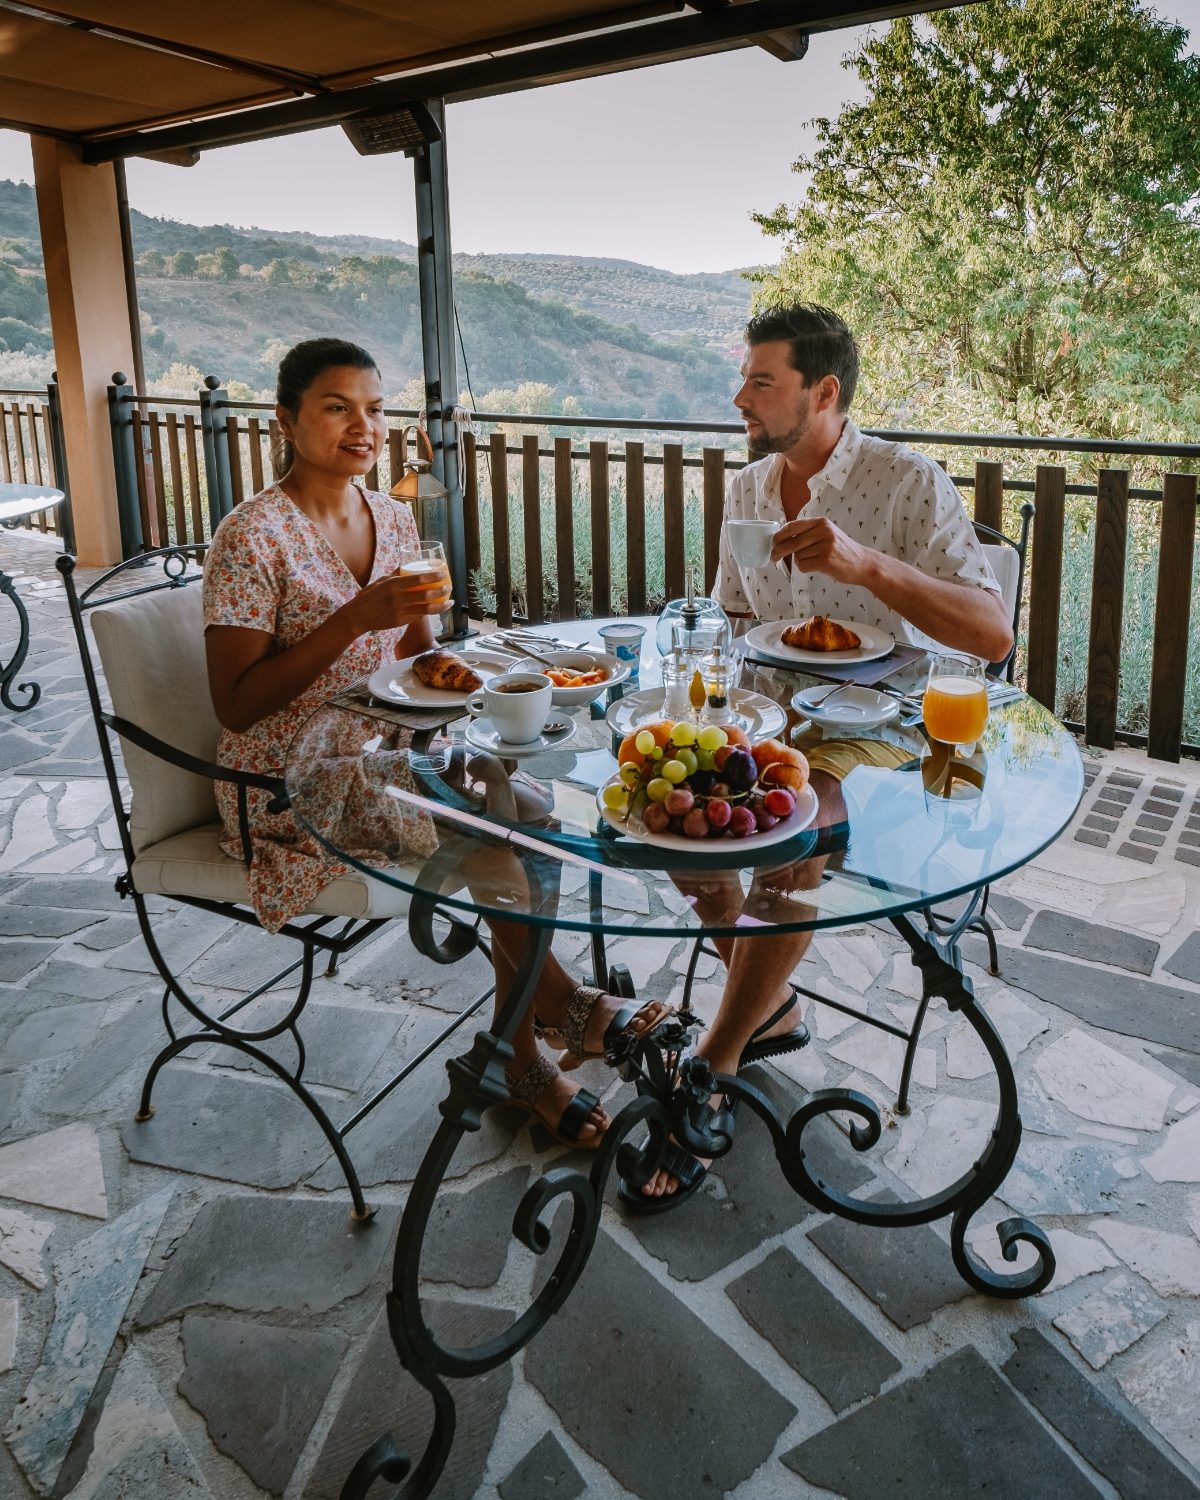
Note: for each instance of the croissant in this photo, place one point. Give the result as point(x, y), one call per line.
point(442, 669)
point(820, 634)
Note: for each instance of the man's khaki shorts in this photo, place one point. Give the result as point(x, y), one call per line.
point(837, 758)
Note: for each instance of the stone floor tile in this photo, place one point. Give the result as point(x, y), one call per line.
point(258, 1388)
point(383, 1398)
point(94, 1281)
point(545, 1473)
point(19, 959)
point(11, 1088)
point(1152, 906)
point(138, 1452)
point(65, 858)
point(1111, 1318)
point(813, 1330)
point(1109, 806)
point(1169, 1262)
point(1159, 805)
point(1178, 1158)
point(682, 1367)
point(1099, 1083)
point(1162, 1384)
point(239, 1130)
point(1017, 1023)
point(958, 1429)
point(182, 937)
point(1185, 960)
point(1148, 837)
point(907, 1273)
point(1097, 943)
point(10, 1317)
point(78, 893)
point(124, 1044)
point(390, 1144)
point(470, 1233)
point(342, 1043)
point(1154, 821)
point(1188, 856)
point(1186, 1064)
point(1013, 913)
point(47, 1033)
point(1101, 824)
point(391, 968)
point(856, 961)
point(1124, 778)
point(267, 1255)
point(1092, 836)
point(1115, 1002)
point(110, 933)
point(1091, 1423)
point(935, 1145)
point(1077, 1255)
point(21, 1241)
point(745, 1199)
point(43, 922)
point(83, 982)
point(1064, 1177)
point(30, 833)
point(1139, 852)
point(58, 1169)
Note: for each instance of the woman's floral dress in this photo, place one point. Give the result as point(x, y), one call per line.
point(269, 568)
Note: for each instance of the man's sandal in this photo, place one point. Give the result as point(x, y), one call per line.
point(528, 1088)
point(573, 1031)
point(760, 1046)
point(687, 1169)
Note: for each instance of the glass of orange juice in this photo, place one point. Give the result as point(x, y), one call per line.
point(955, 707)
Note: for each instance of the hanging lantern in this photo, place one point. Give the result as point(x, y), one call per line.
point(417, 484)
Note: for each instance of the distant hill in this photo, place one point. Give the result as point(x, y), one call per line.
point(608, 336)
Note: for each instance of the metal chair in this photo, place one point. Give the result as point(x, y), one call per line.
point(1006, 557)
point(149, 637)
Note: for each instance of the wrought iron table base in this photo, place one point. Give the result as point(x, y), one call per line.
point(665, 1094)
point(9, 670)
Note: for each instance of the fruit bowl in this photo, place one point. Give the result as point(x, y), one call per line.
point(696, 787)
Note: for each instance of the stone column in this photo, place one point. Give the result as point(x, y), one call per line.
point(85, 282)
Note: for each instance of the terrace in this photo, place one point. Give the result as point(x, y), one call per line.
point(185, 1306)
point(239, 1347)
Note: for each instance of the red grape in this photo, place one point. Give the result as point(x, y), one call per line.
point(780, 802)
point(741, 822)
point(718, 812)
point(679, 801)
point(765, 820)
point(695, 824)
point(655, 818)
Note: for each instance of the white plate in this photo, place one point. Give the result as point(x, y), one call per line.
point(757, 715)
point(483, 735)
point(806, 811)
point(397, 682)
point(767, 640)
point(576, 697)
point(853, 708)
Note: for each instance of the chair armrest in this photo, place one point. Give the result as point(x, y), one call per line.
point(151, 743)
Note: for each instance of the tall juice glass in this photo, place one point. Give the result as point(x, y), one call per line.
point(426, 562)
point(955, 707)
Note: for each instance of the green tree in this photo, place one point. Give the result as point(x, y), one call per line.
point(152, 263)
point(228, 266)
point(181, 265)
point(1009, 218)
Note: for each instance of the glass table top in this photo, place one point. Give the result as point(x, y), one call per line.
point(19, 501)
point(524, 838)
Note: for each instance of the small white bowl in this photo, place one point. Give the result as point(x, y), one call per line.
point(853, 708)
point(576, 661)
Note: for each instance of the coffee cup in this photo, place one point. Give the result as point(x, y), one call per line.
point(517, 703)
point(750, 541)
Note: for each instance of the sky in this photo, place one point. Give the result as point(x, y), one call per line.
point(663, 165)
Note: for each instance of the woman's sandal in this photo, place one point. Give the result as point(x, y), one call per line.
point(774, 1046)
point(573, 1031)
point(528, 1088)
point(687, 1169)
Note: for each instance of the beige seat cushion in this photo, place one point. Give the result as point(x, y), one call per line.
point(152, 649)
point(194, 864)
point(1005, 566)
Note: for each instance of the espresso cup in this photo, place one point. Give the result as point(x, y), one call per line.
point(750, 541)
point(518, 704)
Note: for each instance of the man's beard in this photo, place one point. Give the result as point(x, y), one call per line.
point(765, 443)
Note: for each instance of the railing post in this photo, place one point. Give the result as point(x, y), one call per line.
point(217, 475)
point(1172, 617)
point(58, 461)
point(125, 460)
point(1108, 599)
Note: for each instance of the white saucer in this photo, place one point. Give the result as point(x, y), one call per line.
point(483, 735)
point(397, 683)
point(853, 708)
point(758, 715)
point(767, 640)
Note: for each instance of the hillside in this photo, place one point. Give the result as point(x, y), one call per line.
point(610, 336)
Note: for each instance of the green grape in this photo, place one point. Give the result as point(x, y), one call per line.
point(630, 773)
point(689, 760)
point(646, 742)
point(704, 760)
point(615, 797)
point(711, 737)
point(656, 753)
point(658, 789)
point(683, 733)
point(675, 771)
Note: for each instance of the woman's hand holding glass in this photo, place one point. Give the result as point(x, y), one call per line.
point(419, 587)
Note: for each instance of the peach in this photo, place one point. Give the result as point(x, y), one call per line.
point(780, 765)
point(629, 750)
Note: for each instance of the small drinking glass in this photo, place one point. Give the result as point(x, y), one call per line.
point(955, 706)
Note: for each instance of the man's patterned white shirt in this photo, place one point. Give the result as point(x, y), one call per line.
point(882, 495)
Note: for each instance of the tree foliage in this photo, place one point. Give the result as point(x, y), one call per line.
point(1010, 219)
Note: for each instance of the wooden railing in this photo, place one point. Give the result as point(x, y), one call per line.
point(559, 525)
point(27, 447)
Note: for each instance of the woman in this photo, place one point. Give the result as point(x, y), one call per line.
point(302, 599)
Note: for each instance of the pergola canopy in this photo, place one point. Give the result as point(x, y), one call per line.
point(137, 77)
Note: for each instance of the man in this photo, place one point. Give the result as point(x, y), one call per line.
point(870, 531)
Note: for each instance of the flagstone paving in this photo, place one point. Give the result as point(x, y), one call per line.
point(186, 1309)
